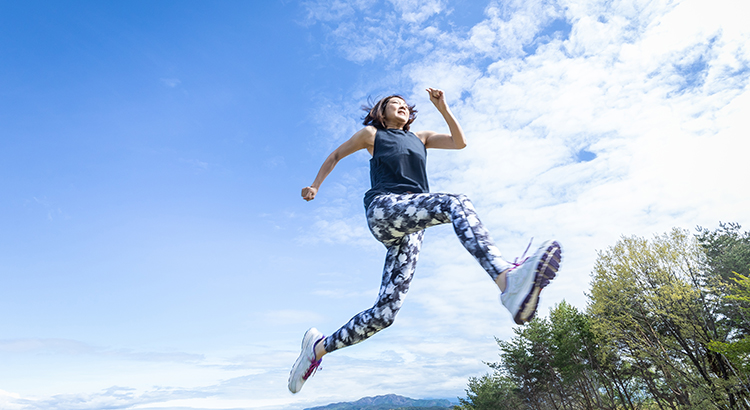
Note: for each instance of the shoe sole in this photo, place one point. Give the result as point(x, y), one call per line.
point(546, 270)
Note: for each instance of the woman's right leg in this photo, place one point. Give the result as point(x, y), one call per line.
point(391, 216)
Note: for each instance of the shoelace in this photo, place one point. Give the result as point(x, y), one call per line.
point(314, 364)
point(312, 369)
point(515, 262)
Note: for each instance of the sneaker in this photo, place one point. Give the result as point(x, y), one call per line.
point(306, 365)
point(525, 281)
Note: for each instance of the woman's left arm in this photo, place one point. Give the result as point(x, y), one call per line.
point(431, 139)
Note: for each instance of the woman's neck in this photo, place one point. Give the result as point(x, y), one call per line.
point(396, 126)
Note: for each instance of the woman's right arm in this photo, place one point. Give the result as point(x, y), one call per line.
point(362, 139)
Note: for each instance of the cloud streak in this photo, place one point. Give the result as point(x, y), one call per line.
point(586, 121)
point(74, 347)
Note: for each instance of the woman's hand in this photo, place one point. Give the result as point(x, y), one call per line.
point(438, 98)
point(308, 193)
point(431, 139)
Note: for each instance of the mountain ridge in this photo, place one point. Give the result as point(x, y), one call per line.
point(388, 402)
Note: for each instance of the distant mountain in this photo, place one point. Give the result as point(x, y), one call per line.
point(388, 402)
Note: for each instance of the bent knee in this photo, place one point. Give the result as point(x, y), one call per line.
point(386, 319)
point(461, 200)
point(386, 323)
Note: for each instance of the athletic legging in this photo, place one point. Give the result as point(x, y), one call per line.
point(399, 221)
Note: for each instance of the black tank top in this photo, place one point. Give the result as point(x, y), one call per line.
point(398, 164)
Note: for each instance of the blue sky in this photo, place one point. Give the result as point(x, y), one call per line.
point(155, 253)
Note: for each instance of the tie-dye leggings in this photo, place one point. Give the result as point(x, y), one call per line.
point(398, 221)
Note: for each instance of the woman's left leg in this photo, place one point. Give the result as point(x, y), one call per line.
point(400, 262)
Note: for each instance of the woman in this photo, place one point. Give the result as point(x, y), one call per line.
point(399, 207)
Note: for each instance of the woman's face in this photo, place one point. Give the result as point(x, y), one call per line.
point(396, 113)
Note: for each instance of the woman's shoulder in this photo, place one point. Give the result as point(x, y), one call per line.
point(364, 138)
point(368, 131)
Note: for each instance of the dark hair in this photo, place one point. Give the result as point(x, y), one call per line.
point(376, 112)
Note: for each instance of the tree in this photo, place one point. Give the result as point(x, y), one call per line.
point(667, 327)
point(737, 350)
point(728, 258)
point(491, 392)
point(727, 249)
point(576, 358)
point(651, 300)
point(728, 253)
point(554, 364)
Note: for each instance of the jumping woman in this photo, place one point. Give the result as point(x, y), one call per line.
point(399, 207)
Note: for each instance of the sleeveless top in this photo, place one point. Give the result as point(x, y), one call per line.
point(398, 164)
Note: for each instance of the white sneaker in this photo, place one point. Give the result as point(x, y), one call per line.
point(525, 281)
point(306, 365)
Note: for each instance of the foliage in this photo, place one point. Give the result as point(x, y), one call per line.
point(738, 350)
point(550, 364)
point(490, 392)
point(727, 248)
point(657, 301)
point(666, 328)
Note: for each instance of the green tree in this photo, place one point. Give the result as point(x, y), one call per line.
point(728, 257)
point(554, 362)
point(649, 298)
point(527, 360)
point(737, 350)
point(727, 249)
point(491, 392)
point(728, 253)
point(576, 359)
point(667, 327)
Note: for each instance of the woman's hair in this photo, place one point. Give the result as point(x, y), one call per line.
point(376, 113)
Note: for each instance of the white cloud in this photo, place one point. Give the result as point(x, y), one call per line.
point(289, 316)
point(510, 26)
point(9, 400)
point(417, 11)
point(74, 347)
point(656, 90)
point(365, 31)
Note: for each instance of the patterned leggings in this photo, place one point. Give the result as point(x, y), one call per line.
point(398, 221)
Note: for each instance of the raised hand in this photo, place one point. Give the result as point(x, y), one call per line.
point(308, 193)
point(438, 98)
